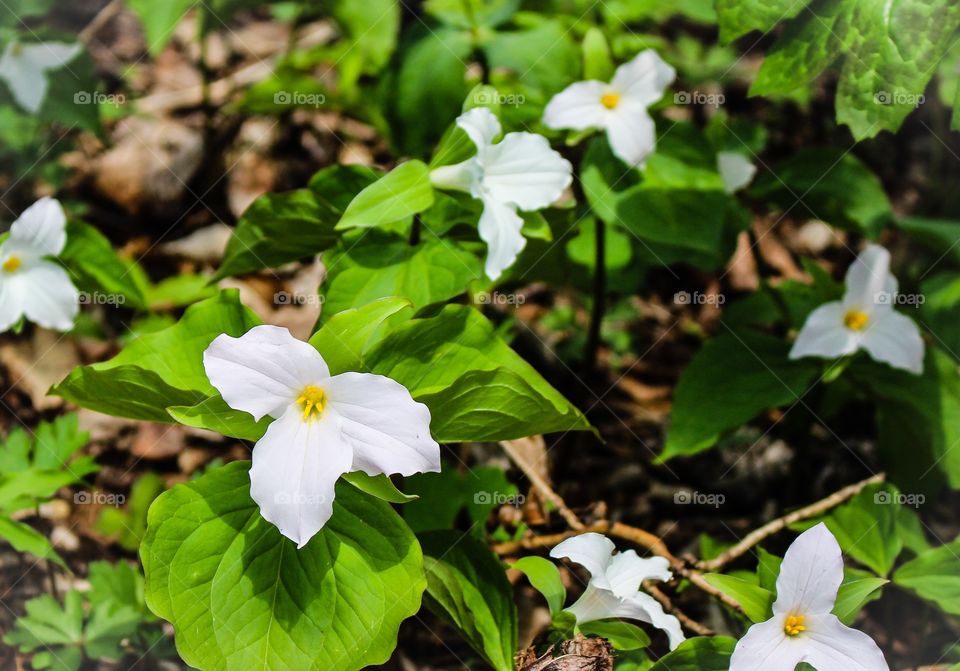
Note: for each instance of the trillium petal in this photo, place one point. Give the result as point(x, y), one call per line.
point(628, 569)
point(643, 79)
point(631, 133)
point(594, 604)
point(27, 82)
point(524, 171)
point(832, 646)
point(387, 430)
point(461, 176)
point(481, 125)
point(766, 647)
point(645, 608)
point(11, 302)
point(264, 370)
point(578, 107)
point(810, 574)
point(48, 297)
point(868, 278)
point(295, 469)
point(500, 227)
point(895, 339)
point(736, 170)
point(824, 335)
point(41, 228)
point(592, 551)
point(50, 55)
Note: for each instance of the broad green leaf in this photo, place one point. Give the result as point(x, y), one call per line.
point(161, 369)
point(702, 653)
point(467, 586)
point(920, 411)
point(853, 594)
point(941, 236)
point(597, 63)
point(214, 414)
point(443, 359)
point(379, 486)
point(766, 378)
point(214, 567)
point(401, 193)
point(381, 265)
point(471, 13)
point(768, 569)
point(281, 227)
point(755, 600)
point(941, 309)
point(95, 267)
point(544, 575)
point(544, 59)
point(372, 28)
point(348, 334)
point(159, 19)
point(835, 187)
point(622, 635)
point(866, 527)
point(739, 17)
point(443, 495)
point(684, 219)
point(935, 576)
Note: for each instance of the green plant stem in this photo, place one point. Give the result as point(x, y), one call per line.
point(599, 296)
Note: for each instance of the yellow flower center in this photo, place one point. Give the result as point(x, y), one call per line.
point(610, 100)
point(794, 625)
point(855, 320)
point(312, 399)
point(16, 49)
point(12, 263)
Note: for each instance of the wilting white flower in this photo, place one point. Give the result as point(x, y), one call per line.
point(735, 170)
point(323, 426)
point(521, 172)
point(619, 107)
point(23, 67)
point(864, 319)
point(802, 628)
point(30, 285)
point(614, 587)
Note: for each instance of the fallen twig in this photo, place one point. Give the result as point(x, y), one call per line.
point(546, 491)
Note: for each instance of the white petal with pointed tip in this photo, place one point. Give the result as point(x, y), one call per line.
point(386, 429)
point(645, 608)
point(766, 647)
point(832, 646)
point(823, 334)
point(578, 107)
point(48, 296)
point(736, 170)
point(810, 574)
point(295, 469)
point(628, 569)
point(41, 226)
point(523, 170)
point(644, 78)
point(867, 277)
point(264, 370)
point(500, 227)
point(895, 339)
point(11, 301)
point(592, 551)
point(632, 134)
point(23, 67)
point(481, 125)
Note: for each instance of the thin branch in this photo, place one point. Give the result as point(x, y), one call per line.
point(685, 620)
point(813, 510)
point(546, 491)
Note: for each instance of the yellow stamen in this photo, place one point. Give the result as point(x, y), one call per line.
point(16, 49)
point(794, 625)
point(610, 100)
point(312, 399)
point(12, 263)
point(855, 320)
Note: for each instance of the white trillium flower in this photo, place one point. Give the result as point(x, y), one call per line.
point(30, 285)
point(864, 319)
point(618, 107)
point(23, 67)
point(614, 587)
point(802, 628)
point(736, 170)
point(324, 426)
point(521, 172)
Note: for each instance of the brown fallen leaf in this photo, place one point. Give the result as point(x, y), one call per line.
point(158, 441)
point(578, 654)
point(37, 363)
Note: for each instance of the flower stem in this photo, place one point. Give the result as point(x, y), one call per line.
point(599, 296)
